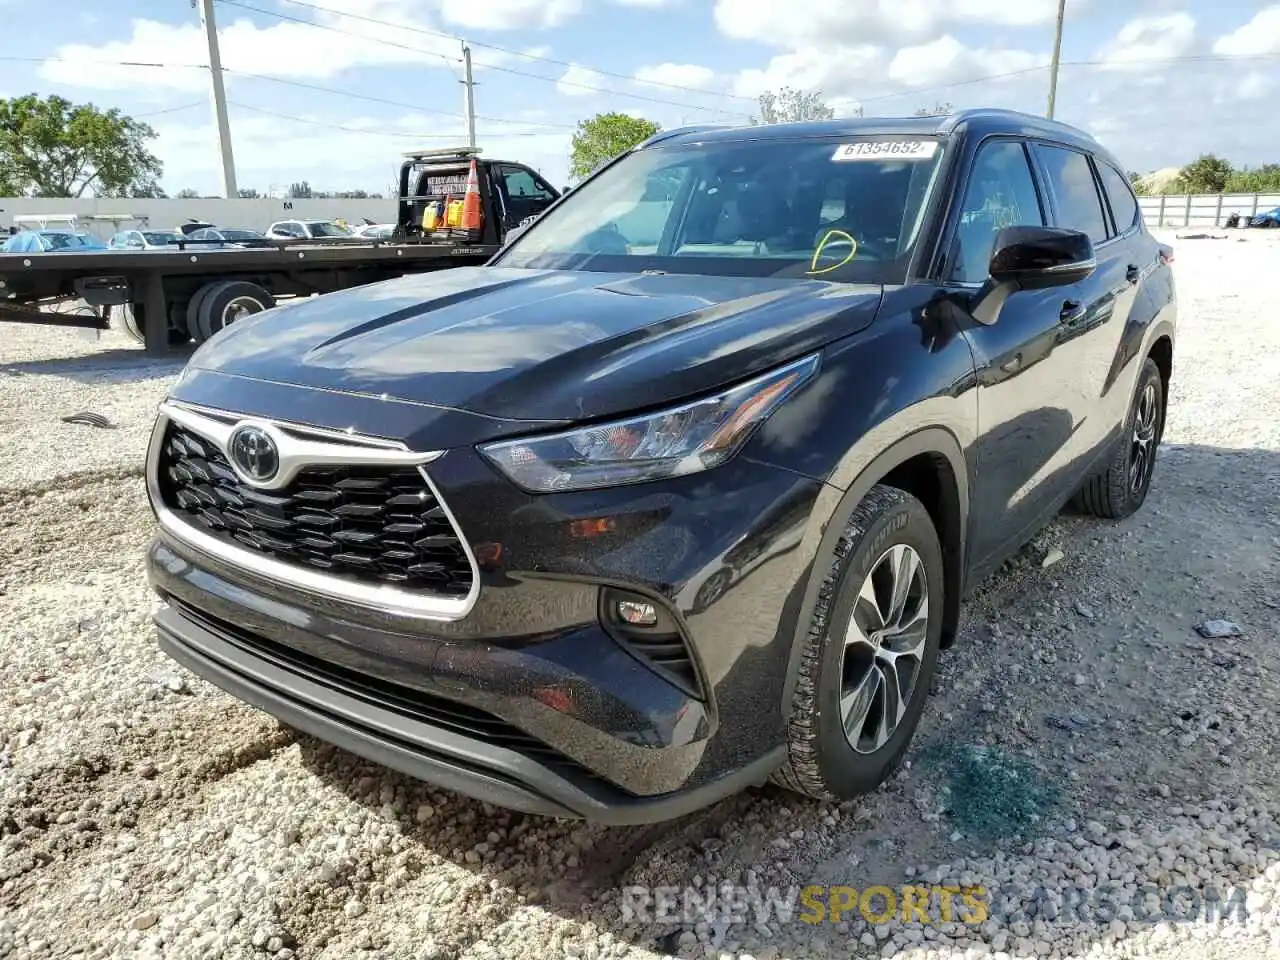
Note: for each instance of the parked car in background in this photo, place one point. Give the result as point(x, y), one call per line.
point(228, 238)
point(308, 230)
point(1268, 218)
point(51, 241)
point(651, 508)
point(144, 240)
point(374, 231)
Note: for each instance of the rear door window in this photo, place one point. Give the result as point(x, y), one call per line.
point(1075, 192)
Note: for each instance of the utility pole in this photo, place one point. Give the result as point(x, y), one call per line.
point(470, 99)
point(219, 100)
point(1057, 53)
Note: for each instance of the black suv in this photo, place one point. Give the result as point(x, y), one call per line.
point(682, 490)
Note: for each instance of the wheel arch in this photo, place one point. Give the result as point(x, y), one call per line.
point(930, 465)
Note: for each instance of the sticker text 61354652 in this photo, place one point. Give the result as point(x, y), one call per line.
point(886, 150)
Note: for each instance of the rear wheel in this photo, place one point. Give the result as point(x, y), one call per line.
point(223, 304)
point(1122, 487)
point(870, 652)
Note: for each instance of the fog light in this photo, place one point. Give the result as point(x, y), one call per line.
point(636, 613)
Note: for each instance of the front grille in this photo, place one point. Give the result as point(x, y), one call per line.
point(373, 524)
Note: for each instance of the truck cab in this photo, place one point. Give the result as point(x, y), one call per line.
point(430, 180)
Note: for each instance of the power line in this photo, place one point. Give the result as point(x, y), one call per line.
point(156, 113)
point(392, 103)
point(346, 33)
point(495, 67)
point(360, 130)
point(515, 53)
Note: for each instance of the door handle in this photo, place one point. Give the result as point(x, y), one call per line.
point(1012, 364)
point(1133, 273)
point(1073, 311)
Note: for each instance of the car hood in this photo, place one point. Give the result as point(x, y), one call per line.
point(539, 344)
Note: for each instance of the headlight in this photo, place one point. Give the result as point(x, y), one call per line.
point(685, 439)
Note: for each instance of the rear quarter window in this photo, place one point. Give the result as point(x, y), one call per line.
point(1124, 205)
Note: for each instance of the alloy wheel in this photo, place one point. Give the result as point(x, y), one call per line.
point(1142, 451)
point(883, 648)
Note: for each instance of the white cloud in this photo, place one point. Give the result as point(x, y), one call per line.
point(869, 22)
point(509, 14)
point(1151, 38)
point(811, 68)
point(648, 4)
point(946, 60)
point(299, 50)
point(1261, 35)
point(578, 82)
point(688, 75)
point(1255, 85)
point(281, 49)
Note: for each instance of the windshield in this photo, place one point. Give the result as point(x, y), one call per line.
point(328, 230)
point(61, 241)
point(240, 235)
point(846, 210)
point(159, 238)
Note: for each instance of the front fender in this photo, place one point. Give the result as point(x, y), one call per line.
point(865, 465)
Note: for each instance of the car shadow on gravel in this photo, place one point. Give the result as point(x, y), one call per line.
point(1122, 755)
point(111, 366)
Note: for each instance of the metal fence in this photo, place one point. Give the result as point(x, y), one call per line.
point(1203, 210)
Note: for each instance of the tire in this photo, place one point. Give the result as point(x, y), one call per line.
point(227, 302)
point(128, 321)
point(192, 320)
point(822, 762)
point(1114, 494)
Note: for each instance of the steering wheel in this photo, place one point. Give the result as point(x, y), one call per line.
point(607, 241)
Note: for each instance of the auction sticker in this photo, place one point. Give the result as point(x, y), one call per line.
point(887, 150)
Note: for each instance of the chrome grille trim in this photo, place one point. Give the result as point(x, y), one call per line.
point(303, 446)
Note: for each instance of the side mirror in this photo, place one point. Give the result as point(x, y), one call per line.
point(1031, 258)
point(1036, 258)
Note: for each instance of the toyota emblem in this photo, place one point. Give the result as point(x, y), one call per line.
point(254, 453)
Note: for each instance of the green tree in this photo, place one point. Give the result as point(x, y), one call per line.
point(186, 193)
point(300, 191)
point(1263, 179)
point(248, 193)
point(1208, 174)
point(789, 105)
point(53, 148)
point(603, 137)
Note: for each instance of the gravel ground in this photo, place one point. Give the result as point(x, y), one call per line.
point(1091, 769)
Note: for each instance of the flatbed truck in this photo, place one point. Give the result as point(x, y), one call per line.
point(171, 298)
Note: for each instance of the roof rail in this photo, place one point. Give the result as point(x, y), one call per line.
point(680, 131)
point(442, 152)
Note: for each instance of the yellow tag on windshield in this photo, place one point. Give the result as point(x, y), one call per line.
point(832, 236)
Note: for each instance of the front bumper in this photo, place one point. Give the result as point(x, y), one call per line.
point(371, 727)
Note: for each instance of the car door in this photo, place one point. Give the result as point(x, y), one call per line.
point(1142, 257)
point(1028, 404)
point(1094, 311)
point(523, 194)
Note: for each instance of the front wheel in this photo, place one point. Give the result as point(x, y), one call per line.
point(1122, 487)
point(870, 652)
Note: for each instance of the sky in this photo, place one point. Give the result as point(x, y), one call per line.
point(335, 91)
